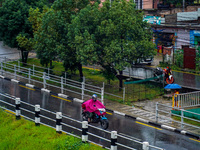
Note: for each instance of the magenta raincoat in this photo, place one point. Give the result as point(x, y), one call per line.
point(93, 106)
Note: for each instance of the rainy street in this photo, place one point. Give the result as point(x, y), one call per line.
point(125, 126)
point(155, 136)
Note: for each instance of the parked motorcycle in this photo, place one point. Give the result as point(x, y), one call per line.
point(98, 116)
point(168, 77)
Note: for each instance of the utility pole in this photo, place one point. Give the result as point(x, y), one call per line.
point(183, 5)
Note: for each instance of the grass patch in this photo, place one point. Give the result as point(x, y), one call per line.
point(23, 134)
point(186, 121)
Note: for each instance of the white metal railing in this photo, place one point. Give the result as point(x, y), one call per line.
point(87, 86)
point(165, 110)
point(190, 99)
point(48, 80)
point(59, 123)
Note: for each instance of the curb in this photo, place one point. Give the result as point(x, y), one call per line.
point(113, 111)
point(158, 125)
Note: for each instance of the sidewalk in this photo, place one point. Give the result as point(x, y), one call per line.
point(145, 111)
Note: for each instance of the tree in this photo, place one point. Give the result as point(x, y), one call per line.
point(51, 33)
point(67, 52)
point(14, 21)
point(112, 36)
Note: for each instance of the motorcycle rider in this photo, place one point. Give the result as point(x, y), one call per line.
point(167, 72)
point(91, 106)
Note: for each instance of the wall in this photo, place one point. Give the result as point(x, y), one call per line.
point(183, 38)
point(147, 4)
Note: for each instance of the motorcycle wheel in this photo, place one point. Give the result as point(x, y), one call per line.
point(104, 124)
point(170, 81)
point(156, 76)
point(84, 117)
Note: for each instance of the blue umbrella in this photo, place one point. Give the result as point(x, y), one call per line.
point(172, 86)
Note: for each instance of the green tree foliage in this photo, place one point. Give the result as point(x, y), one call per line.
point(51, 33)
point(112, 36)
point(14, 21)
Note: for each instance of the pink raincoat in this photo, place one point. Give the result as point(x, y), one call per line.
point(93, 106)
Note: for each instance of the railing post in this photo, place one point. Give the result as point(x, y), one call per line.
point(15, 71)
point(37, 115)
point(65, 77)
point(102, 94)
point(145, 146)
point(44, 80)
point(17, 108)
point(83, 88)
point(29, 75)
point(182, 119)
point(1, 68)
point(59, 122)
point(18, 66)
point(84, 131)
point(156, 111)
point(48, 72)
point(33, 69)
point(62, 85)
point(113, 140)
point(123, 94)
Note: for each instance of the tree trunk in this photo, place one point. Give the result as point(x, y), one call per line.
point(108, 81)
point(80, 70)
point(120, 77)
point(26, 56)
point(51, 64)
point(22, 53)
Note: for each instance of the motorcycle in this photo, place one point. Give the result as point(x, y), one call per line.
point(98, 116)
point(168, 77)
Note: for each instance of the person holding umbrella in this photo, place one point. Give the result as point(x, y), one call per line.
point(175, 99)
point(175, 87)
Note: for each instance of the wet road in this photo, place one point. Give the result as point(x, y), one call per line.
point(155, 136)
point(7, 52)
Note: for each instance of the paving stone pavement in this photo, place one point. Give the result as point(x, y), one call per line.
point(141, 109)
point(145, 111)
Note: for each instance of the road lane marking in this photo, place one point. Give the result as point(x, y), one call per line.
point(109, 113)
point(27, 87)
point(148, 125)
point(194, 140)
point(61, 98)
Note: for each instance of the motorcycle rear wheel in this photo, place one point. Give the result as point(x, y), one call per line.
point(104, 124)
point(168, 81)
point(84, 117)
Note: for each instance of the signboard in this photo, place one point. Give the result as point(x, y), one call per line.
point(152, 19)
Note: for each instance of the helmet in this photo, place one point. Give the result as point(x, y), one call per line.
point(94, 97)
